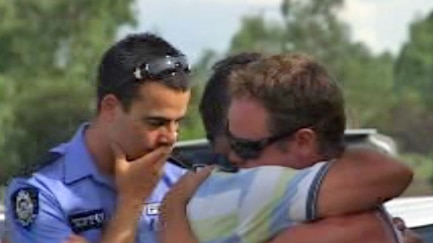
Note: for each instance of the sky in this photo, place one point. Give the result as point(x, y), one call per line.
point(196, 25)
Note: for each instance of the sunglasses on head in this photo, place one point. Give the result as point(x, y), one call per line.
point(251, 149)
point(162, 68)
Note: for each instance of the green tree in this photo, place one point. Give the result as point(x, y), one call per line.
point(192, 127)
point(413, 72)
point(52, 49)
point(257, 34)
point(312, 27)
point(414, 66)
point(66, 37)
point(62, 111)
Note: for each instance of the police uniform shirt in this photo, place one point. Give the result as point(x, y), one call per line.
point(68, 195)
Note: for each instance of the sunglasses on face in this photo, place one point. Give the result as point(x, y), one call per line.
point(162, 68)
point(251, 149)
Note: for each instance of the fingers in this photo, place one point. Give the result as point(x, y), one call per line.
point(155, 160)
point(193, 179)
point(119, 157)
point(160, 160)
point(409, 236)
point(200, 174)
point(156, 157)
point(185, 188)
point(399, 223)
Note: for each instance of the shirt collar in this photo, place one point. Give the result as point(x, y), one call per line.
point(78, 160)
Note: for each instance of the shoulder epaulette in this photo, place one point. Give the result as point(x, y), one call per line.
point(27, 169)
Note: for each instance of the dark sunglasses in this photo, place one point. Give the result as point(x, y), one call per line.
point(162, 68)
point(251, 149)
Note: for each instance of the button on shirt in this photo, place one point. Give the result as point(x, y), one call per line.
point(69, 196)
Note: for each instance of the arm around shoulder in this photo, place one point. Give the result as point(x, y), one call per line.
point(360, 180)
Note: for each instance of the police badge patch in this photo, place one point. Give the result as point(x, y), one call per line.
point(25, 203)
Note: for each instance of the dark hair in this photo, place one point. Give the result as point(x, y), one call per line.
point(298, 93)
point(116, 70)
point(215, 99)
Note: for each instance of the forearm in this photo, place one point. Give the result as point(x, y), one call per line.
point(365, 227)
point(123, 225)
point(360, 180)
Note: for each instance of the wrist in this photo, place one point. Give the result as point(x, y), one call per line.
point(130, 203)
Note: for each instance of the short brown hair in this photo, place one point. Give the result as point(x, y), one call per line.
point(298, 92)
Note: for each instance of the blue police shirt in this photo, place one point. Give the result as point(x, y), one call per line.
point(69, 196)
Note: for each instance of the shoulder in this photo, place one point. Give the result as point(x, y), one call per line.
point(49, 159)
point(34, 179)
point(24, 199)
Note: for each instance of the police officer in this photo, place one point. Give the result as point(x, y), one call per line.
point(106, 183)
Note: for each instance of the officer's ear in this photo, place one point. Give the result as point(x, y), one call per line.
point(109, 106)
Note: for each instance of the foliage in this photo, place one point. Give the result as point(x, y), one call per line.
point(192, 127)
point(414, 66)
point(413, 71)
point(312, 27)
point(52, 49)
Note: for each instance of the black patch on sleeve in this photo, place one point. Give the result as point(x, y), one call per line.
point(88, 220)
point(25, 206)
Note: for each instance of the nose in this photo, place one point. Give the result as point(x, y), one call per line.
point(170, 134)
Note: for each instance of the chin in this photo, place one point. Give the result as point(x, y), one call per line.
point(135, 156)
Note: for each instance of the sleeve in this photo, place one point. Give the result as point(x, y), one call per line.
point(277, 198)
point(300, 199)
point(33, 215)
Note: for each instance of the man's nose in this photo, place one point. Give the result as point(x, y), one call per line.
point(170, 135)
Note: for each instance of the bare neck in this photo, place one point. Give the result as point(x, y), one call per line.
point(96, 142)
